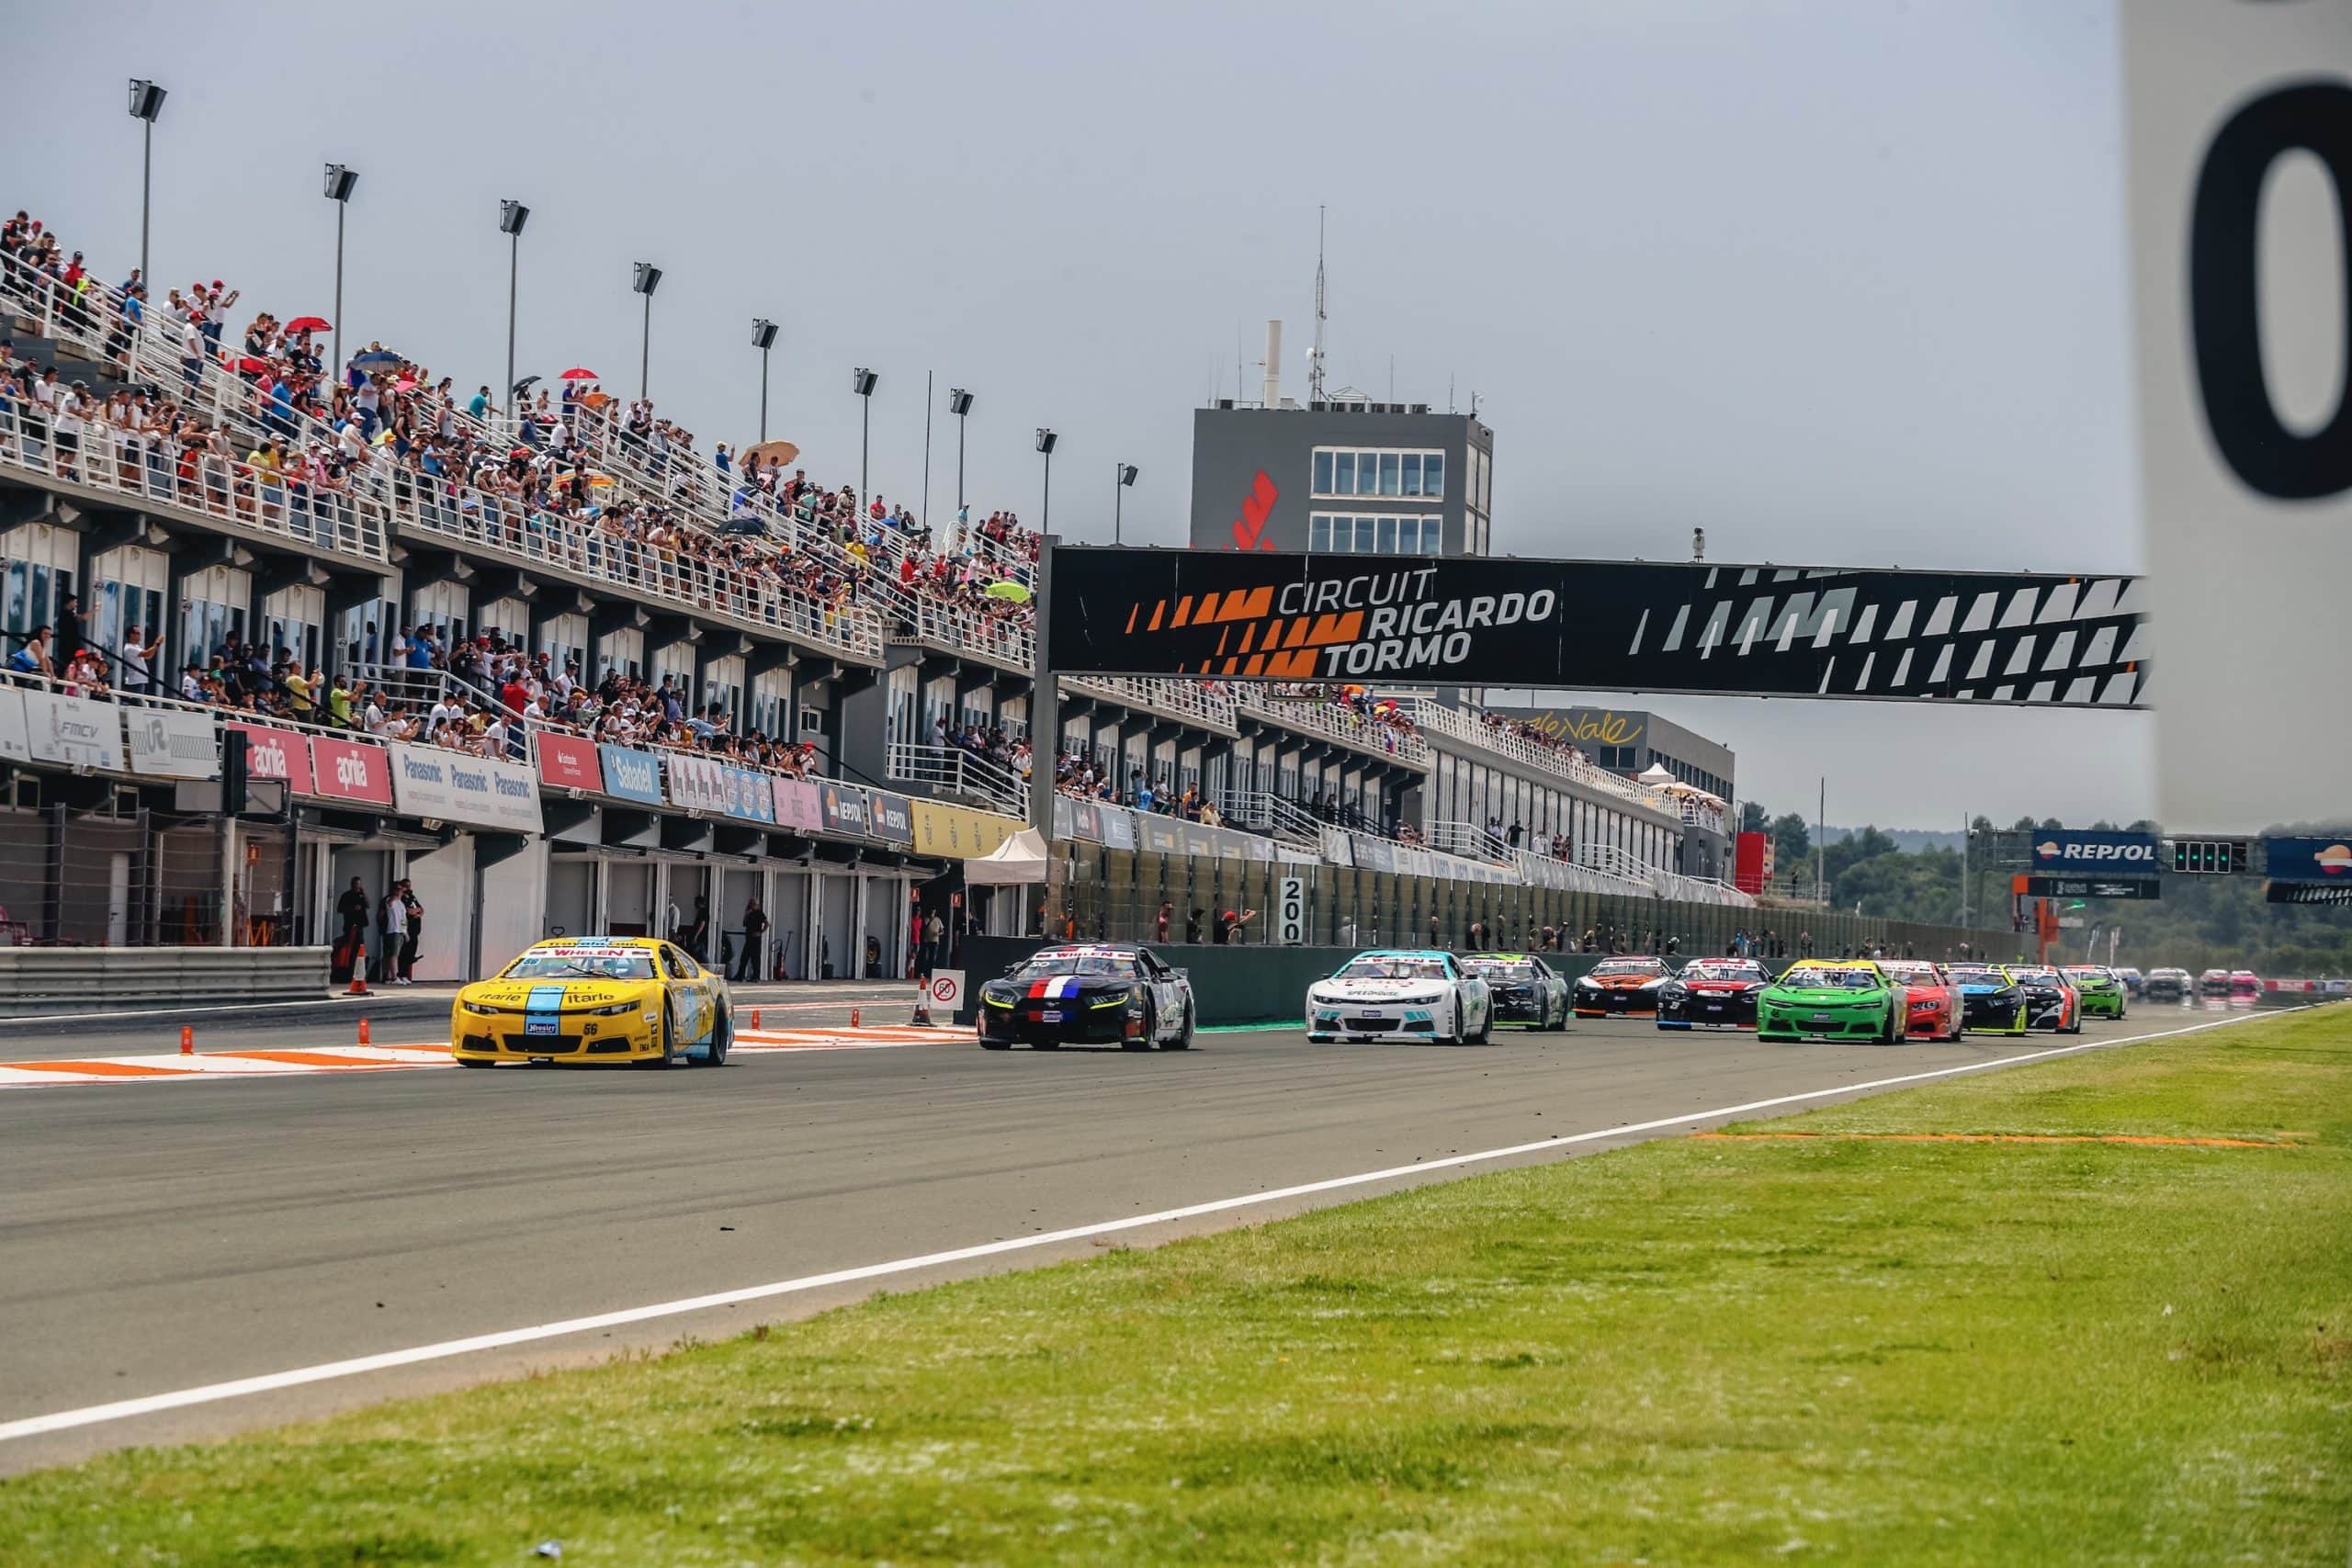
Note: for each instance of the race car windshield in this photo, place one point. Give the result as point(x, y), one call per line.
point(2037, 976)
point(1979, 977)
point(1046, 964)
point(1501, 968)
point(1814, 978)
point(1923, 974)
point(1392, 969)
point(1627, 968)
point(582, 963)
point(1722, 971)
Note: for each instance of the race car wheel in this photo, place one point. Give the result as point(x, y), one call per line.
point(1958, 1025)
point(1183, 1040)
point(722, 1035)
point(469, 1061)
point(988, 1045)
point(1150, 1031)
point(1895, 1033)
point(1485, 1029)
point(1460, 1032)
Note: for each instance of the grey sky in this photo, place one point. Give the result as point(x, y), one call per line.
point(1843, 283)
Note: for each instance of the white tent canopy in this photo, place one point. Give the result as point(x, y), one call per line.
point(1655, 776)
point(1020, 859)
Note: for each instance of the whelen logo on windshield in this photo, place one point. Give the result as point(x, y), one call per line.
point(2095, 854)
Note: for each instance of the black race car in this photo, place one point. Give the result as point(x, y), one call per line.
point(1713, 993)
point(1525, 989)
point(1092, 994)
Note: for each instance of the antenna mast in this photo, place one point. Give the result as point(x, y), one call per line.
point(1314, 358)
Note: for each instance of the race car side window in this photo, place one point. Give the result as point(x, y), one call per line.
point(678, 964)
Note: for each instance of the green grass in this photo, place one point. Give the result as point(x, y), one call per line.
point(1690, 1351)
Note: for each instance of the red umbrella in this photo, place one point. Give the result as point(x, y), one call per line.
point(252, 366)
point(577, 374)
point(308, 324)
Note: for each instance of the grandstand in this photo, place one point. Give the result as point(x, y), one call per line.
point(363, 554)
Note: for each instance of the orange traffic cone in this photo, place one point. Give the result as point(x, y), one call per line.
point(923, 1006)
point(363, 1031)
point(188, 1040)
point(852, 1018)
point(755, 1018)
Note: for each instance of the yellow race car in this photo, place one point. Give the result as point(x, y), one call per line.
point(627, 998)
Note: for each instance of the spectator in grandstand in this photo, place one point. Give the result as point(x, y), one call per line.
point(137, 661)
point(32, 658)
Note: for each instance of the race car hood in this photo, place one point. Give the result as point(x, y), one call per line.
point(1822, 995)
point(2091, 987)
point(1623, 982)
point(1721, 985)
point(542, 995)
point(1984, 987)
point(1373, 990)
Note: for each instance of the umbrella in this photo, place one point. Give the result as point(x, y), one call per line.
point(252, 366)
point(308, 324)
point(595, 400)
point(772, 452)
point(403, 385)
point(373, 360)
point(1012, 591)
point(577, 374)
point(599, 480)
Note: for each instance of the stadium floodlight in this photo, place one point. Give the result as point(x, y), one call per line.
point(512, 216)
point(763, 339)
point(862, 381)
point(1127, 472)
point(339, 184)
point(1046, 440)
point(645, 279)
point(959, 403)
point(146, 104)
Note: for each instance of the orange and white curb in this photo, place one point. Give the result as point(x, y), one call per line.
point(301, 1060)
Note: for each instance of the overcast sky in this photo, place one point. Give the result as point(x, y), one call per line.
point(1842, 283)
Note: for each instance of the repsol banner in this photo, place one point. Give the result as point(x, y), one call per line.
point(2326, 862)
point(2108, 853)
point(1736, 630)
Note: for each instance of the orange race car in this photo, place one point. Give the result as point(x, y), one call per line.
point(1621, 985)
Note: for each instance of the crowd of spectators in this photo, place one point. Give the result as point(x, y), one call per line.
point(1083, 776)
point(1533, 734)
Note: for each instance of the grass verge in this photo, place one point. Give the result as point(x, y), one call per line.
point(1872, 1350)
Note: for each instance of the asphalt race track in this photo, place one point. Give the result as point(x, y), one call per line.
point(160, 1236)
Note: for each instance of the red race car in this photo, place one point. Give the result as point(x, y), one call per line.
point(1934, 1009)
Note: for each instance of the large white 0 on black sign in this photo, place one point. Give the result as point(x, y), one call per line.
point(2240, 143)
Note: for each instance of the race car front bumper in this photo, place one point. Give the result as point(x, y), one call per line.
point(1328, 1020)
point(1815, 1022)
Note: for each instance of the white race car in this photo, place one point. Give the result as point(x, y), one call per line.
point(1400, 995)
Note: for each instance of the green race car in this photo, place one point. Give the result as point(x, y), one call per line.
point(2099, 990)
point(1816, 1000)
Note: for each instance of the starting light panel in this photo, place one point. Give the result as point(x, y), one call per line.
point(2208, 857)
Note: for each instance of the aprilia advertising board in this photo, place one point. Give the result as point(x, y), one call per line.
point(2087, 850)
point(2238, 145)
point(351, 769)
point(1762, 631)
point(280, 754)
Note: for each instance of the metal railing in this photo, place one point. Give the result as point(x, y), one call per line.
point(1196, 703)
point(1009, 641)
point(546, 541)
point(1277, 817)
point(952, 770)
point(1336, 721)
point(204, 484)
point(1506, 741)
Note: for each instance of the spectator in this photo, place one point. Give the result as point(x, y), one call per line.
point(32, 658)
point(755, 926)
point(391, 926)
point(351, 947)
point(412, 909)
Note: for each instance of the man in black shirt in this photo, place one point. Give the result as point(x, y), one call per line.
point(352, 909)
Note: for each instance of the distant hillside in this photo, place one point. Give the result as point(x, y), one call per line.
point(1910, 841)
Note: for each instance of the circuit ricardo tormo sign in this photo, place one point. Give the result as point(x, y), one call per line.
point(1603, 625)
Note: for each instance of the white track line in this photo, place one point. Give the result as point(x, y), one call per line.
point(269, 1383)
